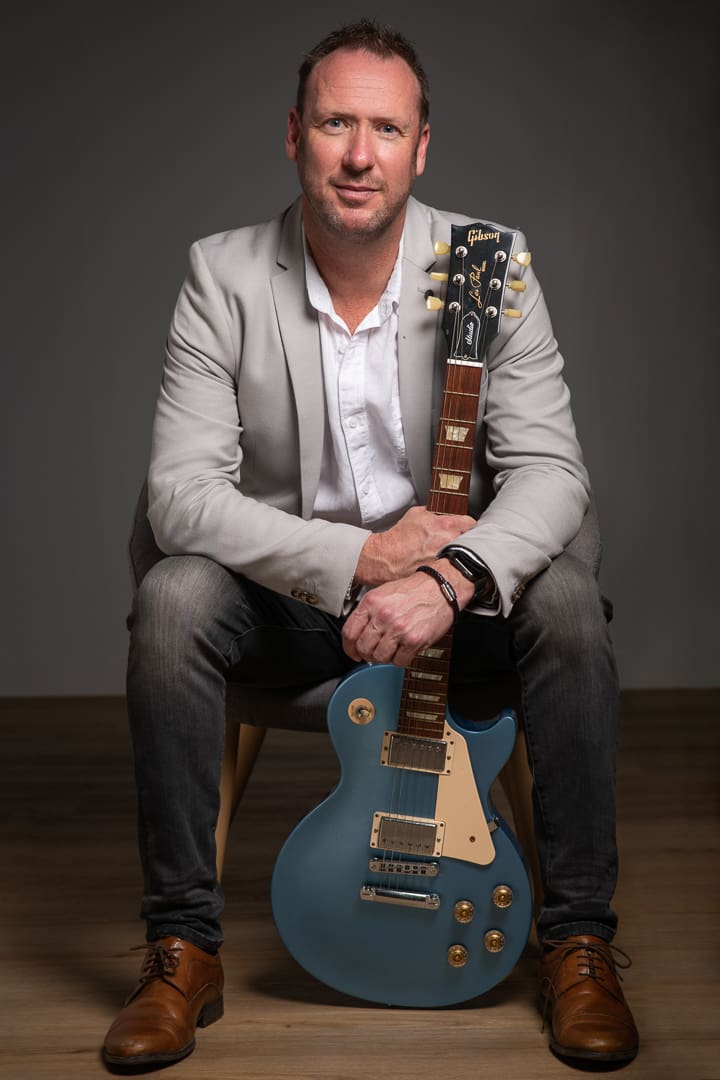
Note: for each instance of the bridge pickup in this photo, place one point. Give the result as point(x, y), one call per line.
point(427, 901)
point(403, 867)
point(416, 754)
point(408, 836)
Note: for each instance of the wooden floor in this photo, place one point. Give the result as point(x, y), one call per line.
point(71, 884)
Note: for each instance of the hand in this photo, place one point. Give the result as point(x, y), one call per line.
point(397, 620)
point(415, 539)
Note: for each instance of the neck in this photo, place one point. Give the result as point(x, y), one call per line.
point(355, 268)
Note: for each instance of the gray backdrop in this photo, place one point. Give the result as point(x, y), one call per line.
point(134, 128)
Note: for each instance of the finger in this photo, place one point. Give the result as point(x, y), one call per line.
point(385, 651)
point(360, 641)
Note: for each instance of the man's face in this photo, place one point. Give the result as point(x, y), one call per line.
point(358, 145)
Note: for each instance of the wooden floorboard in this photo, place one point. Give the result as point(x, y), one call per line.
point(71, 885)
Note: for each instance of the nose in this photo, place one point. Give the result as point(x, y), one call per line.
point(359, 153)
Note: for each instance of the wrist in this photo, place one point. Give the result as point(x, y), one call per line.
point(372, 566)
point(474, 570)
point(464, 588)
point(446, 587)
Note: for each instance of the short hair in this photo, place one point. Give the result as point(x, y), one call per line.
point(373, 37)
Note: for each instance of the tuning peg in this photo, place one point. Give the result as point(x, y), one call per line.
point(512, 313)
point(516, 286)
point(522, 258)
point(434, 303)
point(436, 275)
point(441, 248)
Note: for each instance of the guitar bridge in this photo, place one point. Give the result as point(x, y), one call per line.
point(404, 867)
point(416, 754)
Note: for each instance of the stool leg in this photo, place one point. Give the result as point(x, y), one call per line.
point(516, 781)
point(242, 746)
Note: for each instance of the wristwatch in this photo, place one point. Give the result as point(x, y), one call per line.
point(474, 569)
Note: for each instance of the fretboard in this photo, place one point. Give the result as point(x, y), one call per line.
point(425, 686)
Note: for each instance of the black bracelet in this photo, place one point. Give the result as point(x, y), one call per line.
point(447, 589)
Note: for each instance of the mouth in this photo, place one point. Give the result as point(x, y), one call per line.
point(355, 193)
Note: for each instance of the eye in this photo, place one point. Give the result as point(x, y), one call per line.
point(334, 123)
point(389, 129)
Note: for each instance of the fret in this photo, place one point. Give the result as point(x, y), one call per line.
point(441, 501)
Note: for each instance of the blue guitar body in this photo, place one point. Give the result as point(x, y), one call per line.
point(404, 887)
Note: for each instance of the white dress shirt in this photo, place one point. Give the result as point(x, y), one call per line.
point(364, 478)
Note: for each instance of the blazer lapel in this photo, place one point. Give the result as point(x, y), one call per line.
point(301, 341)
point(418, 342)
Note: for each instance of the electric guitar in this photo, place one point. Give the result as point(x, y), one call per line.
point(405, 886)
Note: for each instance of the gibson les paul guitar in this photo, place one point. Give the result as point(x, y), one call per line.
point(405, 886)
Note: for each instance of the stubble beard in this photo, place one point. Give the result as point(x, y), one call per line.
point(351, 225)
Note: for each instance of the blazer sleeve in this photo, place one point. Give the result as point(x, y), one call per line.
point(195, 500)
point(541, 488)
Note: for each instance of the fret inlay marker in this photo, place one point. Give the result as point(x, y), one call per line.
point(454, 433)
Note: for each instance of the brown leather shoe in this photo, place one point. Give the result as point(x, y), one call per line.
point(580, 983)
point(180, 988)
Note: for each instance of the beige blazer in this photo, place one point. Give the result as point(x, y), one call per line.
point(238, 431)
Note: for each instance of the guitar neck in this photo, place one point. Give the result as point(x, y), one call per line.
point(479, 262)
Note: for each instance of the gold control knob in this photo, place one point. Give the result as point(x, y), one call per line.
point(494, 941)
point(361, 711)
point(457, 956)
point(464, 911)
point(502, 896)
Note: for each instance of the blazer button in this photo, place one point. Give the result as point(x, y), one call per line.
point(311, 598)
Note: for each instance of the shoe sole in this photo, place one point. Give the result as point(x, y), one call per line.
point(209, 1015)
point(609, 1056)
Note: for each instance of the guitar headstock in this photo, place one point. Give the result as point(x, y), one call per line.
point(480, 260)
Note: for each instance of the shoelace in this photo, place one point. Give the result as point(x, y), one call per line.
point(159, 961)
point(592, 963)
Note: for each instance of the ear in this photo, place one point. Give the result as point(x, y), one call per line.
point(292, 137)
point(421, 151)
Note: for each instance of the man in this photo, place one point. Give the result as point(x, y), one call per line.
point(289, 468)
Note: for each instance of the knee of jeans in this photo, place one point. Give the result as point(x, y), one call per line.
point(564, 604)
point(175, 599)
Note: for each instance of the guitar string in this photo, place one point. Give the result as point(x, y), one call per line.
point(403, 785)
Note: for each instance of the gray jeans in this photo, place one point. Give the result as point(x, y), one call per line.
point(195, 625)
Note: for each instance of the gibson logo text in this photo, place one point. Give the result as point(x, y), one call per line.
point(476, 235)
